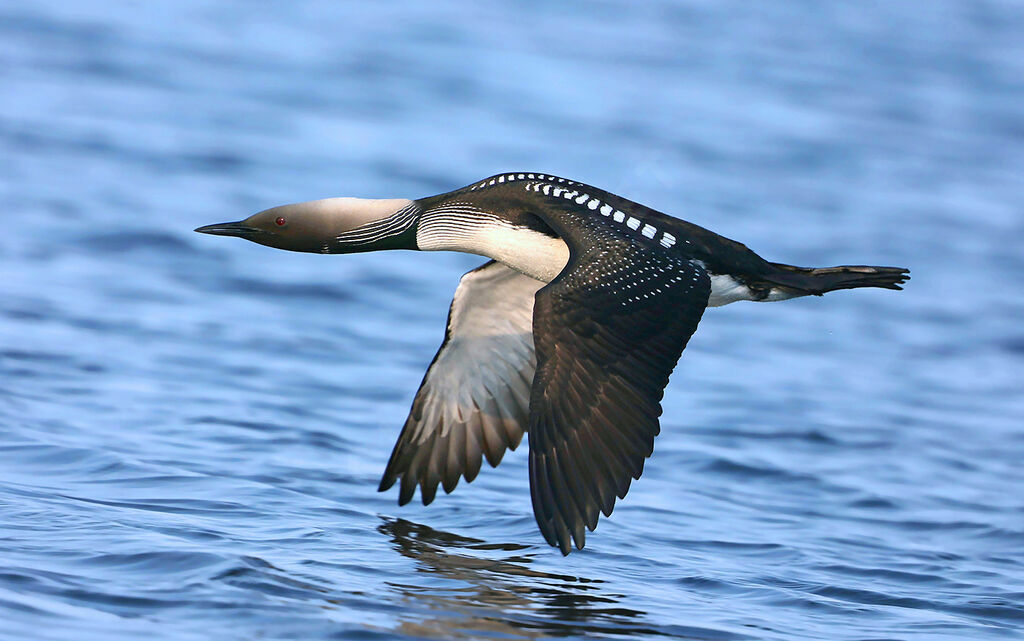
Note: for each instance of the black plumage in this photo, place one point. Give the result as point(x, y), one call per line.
point(602, 367)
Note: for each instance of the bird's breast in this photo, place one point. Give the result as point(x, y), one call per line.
point(525, 250)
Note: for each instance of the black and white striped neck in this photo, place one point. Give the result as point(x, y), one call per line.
point(394, 231)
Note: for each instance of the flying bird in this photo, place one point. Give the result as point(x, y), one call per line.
point(569, 332)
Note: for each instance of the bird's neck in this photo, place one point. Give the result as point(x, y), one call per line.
point(379, 224)
point(463, 227)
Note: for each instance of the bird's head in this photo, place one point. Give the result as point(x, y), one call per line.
point(329, 226)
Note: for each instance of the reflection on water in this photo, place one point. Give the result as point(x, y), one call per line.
point(490, 587)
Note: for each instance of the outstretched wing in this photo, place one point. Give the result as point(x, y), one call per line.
point(474, 398)
point(608, 332)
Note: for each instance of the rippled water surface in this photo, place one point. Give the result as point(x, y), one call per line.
point(192, 428)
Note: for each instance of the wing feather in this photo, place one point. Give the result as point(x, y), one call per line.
point(473, 402)
point(608, 331)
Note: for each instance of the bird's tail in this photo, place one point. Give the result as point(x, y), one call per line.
point(817, 281)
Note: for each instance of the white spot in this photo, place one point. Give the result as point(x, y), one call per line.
point(649, 231)
point(594, 203)
point(725, 289)
point(667, 240)
point(521, 176)
point(606, 209)
point(558, 191)
point(547, 190)
point(619, 216)
point(491, 183)
point(582, 199)
point(571, 194)
point(633, 223)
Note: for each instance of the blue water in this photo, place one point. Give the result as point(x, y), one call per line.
point(192, 428)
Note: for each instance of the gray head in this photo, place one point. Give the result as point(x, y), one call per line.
point(329, 226)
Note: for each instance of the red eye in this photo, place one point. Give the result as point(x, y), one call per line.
point(280, 221)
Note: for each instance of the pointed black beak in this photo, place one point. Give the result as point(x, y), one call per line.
point(230, 229)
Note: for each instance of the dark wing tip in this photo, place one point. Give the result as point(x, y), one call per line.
point(386, 482)
point(428, 491)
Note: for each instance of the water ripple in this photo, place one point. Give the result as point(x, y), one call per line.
point(192, 429)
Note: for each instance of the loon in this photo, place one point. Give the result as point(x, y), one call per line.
point(569, 332)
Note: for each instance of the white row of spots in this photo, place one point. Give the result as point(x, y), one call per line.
point(649, 231)
point(511, 177)
point(549, 189)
